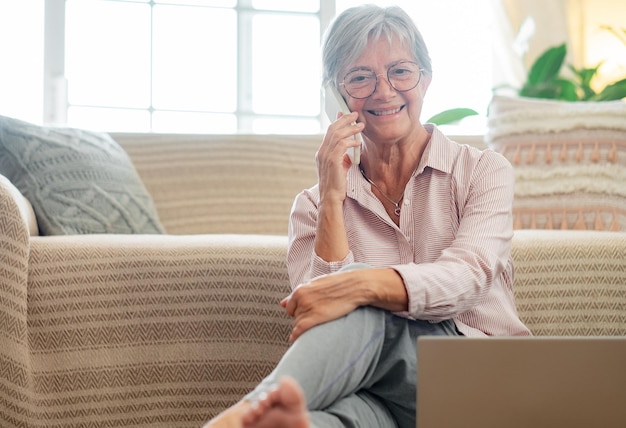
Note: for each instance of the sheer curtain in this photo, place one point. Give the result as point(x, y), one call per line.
point(526, 28)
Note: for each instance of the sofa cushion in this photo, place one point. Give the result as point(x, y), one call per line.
point(223, 183)
point(77, 181)
point(569, 160)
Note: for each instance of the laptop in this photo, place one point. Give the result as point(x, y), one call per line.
point(521, 382)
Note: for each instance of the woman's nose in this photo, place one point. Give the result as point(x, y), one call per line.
point(383, 85)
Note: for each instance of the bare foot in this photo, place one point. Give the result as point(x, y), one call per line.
point(283, 407)
point(229, 418)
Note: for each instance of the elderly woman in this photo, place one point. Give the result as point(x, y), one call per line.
point(415, 240)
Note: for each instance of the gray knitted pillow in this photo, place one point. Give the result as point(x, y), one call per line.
point(77, 181)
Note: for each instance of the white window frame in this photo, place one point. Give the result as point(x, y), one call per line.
point(55, 100)
point(55, 95)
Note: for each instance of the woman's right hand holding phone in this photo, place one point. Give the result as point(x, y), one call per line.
point(331, 242)
point(332, 161)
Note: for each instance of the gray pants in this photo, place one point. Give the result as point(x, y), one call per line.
point(359, 370)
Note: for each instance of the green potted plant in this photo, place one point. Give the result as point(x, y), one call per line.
point(545, 79)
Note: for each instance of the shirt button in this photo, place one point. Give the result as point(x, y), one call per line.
point(407, 202)
point(408, 238)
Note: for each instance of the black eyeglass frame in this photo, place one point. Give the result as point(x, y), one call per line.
point(420, 70)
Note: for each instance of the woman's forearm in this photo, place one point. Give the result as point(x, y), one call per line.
point(331, 242)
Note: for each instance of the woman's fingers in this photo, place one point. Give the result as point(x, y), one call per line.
point(325, 299)
point(342, 132)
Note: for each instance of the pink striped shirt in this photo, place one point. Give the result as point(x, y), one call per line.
point(453, 245)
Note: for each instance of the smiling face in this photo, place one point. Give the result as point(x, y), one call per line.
point(388, 115)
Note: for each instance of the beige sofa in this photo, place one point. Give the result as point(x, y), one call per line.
point(168, 330)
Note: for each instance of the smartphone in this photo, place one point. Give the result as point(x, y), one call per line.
point(335, 103)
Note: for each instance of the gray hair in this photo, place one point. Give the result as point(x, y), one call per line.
point(348, 35)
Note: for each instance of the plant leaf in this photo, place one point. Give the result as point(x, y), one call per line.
point(557, 89)
point(585, 76)
point(621, 36)
point(541, 90)
point(452, 115)
point(568, 90)
point(614, 91)
point(547, 66)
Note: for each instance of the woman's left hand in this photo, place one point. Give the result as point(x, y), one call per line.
point(324, 299)
point(332, 296)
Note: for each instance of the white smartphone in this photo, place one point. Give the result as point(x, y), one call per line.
point(335, 103)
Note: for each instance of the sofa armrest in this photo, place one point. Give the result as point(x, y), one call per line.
point(14, 252)
point(154, 328)
point(25, 210)
point(571, 283)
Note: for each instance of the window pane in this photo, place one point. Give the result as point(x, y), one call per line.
point(195, 58)
point(187, 122)
point(214, 3)
point(286, 73)
point(285, 126)
point(21, 53)
point(109, 119)
point(290, 5)
point(108, 53)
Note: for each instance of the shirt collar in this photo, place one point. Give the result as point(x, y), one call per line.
point(437, 155)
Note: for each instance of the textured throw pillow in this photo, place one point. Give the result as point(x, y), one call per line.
point(77, 181)
point(569, 160)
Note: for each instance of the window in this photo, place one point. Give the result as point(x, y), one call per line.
point(192, 66)
point(21, 50)
point(214, 66)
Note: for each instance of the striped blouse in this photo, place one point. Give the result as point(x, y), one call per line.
point(452, 248)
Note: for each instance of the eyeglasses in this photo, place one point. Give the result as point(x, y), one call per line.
point(402, 77)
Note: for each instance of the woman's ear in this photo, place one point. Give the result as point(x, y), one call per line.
point(425, 81)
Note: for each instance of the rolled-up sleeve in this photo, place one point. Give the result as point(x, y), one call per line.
point(465, 270)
